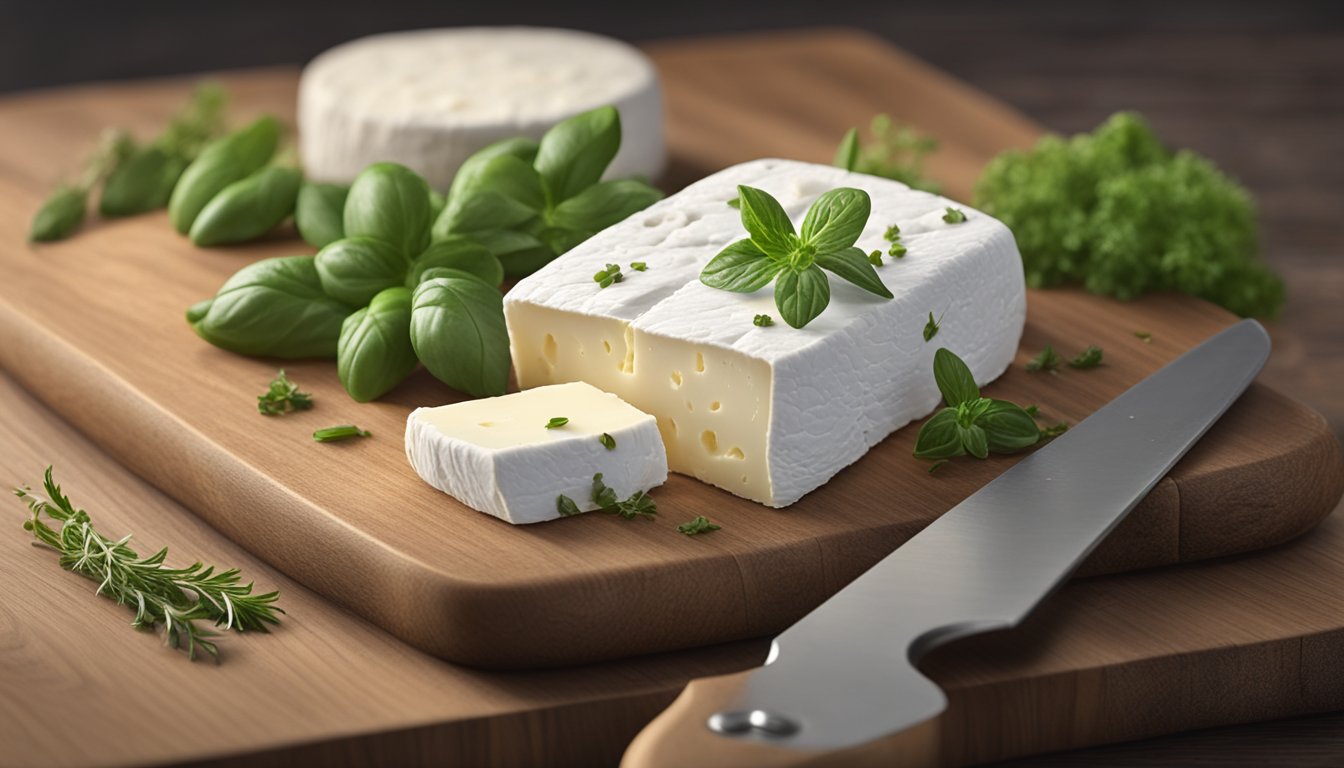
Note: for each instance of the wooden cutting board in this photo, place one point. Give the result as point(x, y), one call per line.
point(1119, 657)
point(93, 326)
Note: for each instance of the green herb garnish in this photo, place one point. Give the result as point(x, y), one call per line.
point(566, 506)
point(639, 266)
point(931, 328)
point(1088, 358)
point(875, 258)
point(1055, 431)
point(894, 152)
point(1047, 360)
point(762, 321)
point(608, 276)
point(639, 504)
point(896, 250)
point(794, 262)
point(971, 423)
point(1032, 410)
point(607, 441)
point(1117, 212)
point(557, 421)
point(892, 234)
point(1144, 336)
point(174, 598)
point(283, 396)
point(700, 524)
point(954, 216)
point(341, 432)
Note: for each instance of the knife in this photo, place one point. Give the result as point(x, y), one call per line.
point(841, 686)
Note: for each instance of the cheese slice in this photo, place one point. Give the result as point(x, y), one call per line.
point(428, 99)
point(771, 413)
point(496, 455)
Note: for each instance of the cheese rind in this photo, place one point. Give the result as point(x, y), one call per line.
point(771, 413)
point(428, 99)
point(496, 455)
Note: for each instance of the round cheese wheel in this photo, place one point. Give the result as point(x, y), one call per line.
point(428, 99)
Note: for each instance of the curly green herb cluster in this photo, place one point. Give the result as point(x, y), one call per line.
point(895, 152)
point(380, 299)
point(528, 202)
point(971, 423)
point(640, 503)
point(174, 598)
point(1117, 212)
point(794, 261)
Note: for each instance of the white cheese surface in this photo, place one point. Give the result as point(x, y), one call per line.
point(771, 413)
point(496, 455)
point(430, 98)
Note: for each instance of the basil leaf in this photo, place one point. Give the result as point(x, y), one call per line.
point(741, 267)
point(802, 295)
point(353, 270)
point(248, 208)
point(767, 223)
point(60, 215)
point(520, 253)
point(573, 154)
point(390, 202)
point(954, 378)
point(1008, 427)
point(853, 265)
point(437, 203)
point(374, 353)
point(939, 438)
point(836, 219)
point(221, 163)
point(142, 182)
point(559, 240)
point(458, 253)
point(458, 331)
point(485, 209)
point(319, 213)
point(847, 154)
point(975, 441)
point(467, 178)
point(275, 308)
point(604, 204)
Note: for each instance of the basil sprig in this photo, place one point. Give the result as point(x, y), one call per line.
point(794, 261)
point(971, 423)
point(528, 202)
point(380, 299)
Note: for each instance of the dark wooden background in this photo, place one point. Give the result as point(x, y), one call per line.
point(1258, 87)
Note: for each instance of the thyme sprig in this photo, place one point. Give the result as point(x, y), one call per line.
point(175, 598)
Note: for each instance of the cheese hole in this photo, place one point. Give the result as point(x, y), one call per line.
point(699, 363)
point(676, 378)
point(690, 406)
point(735, 453)
point(548, 349)
point(607, 346)
point(710, 441)
point(716, 405)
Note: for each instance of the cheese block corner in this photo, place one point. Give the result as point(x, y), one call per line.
point(430, 98)
point(498, 456)
point(771, 413)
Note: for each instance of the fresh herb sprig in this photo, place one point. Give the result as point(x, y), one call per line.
point(931, 327)
point(173, 598)
point(283, 396)
point(795, 261)
point(971, 424)
point(895, 151)
point(1088, 358)
point(700, 524)
point(340, 432)
point(1047, 360)
point(640, 503)
point(557, 422)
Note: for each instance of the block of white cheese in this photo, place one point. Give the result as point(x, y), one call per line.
point(430, 98)
point(771, 413)
point(498, 456)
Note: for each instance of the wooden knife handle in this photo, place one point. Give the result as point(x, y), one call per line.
point(680, 738)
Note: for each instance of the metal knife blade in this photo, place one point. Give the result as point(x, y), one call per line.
point(845, 674)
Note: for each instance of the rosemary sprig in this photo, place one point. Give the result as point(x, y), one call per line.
point(176, 598)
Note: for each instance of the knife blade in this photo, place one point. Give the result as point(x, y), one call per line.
point(844, 675)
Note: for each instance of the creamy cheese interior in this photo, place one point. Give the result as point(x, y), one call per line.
point(712, 404)
point(489, 423)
